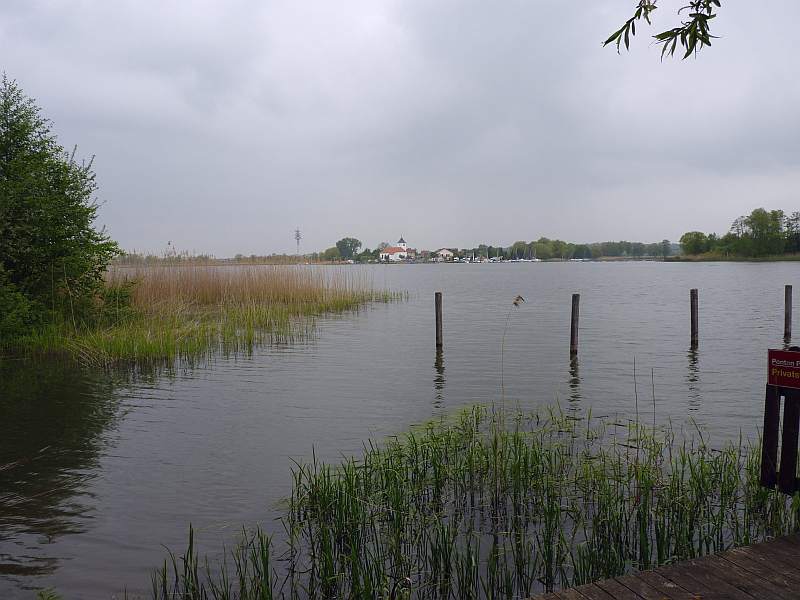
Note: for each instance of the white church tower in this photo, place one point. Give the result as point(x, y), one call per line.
point(401, 243)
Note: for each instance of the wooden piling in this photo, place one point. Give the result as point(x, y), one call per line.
point(438, 303)
point(694, 317)
point(770, 437)
point(573, 328)
point(787, 473)
point(787, 313)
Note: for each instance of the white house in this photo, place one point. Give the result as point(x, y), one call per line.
point(396, 253)
point(444, 255)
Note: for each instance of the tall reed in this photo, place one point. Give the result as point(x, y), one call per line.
point(506, 506)
point(190, 312)
point(199, 286)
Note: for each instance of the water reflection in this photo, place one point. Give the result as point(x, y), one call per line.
point(438, 379)
point(693, 380)
point(574, 382)
point(52, 424)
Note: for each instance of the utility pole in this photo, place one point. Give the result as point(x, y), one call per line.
point(298, 236)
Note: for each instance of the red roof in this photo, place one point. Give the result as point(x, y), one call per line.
point(393, 250)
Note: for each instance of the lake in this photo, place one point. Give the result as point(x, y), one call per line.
point(100, 470)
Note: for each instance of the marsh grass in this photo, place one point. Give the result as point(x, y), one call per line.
point(492, 505)
point(189, 313)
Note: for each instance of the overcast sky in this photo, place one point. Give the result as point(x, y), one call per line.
point(222, 126)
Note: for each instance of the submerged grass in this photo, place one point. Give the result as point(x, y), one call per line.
point(169, 313)
point(497, 505)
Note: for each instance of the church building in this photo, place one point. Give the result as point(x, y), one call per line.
point(398, 252)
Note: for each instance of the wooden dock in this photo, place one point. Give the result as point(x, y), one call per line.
point(762, 571)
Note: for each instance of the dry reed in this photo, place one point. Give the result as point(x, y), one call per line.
point(199, 286)
point(168, 313)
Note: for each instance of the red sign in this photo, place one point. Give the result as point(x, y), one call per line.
point(783, 368)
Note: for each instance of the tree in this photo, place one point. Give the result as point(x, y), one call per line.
point(348, 247)
point(692, 35)
point(582, 251)
point(694, 242)
point(331, 254)
point(52, 259)
point(519, 249)
point(543, 248)
point(792, 227)
point(766, 229)
point(666, 248)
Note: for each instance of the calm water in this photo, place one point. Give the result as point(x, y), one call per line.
point(99, 470)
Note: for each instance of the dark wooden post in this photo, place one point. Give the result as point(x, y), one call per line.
point(694, 317)
point(787, 474)
point(769, 438)
point(787, 313)
point(573, 327)
point(438, 302)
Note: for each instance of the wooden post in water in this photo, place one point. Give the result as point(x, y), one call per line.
point(438, 302)
point(573, 328)
point(694, 317)
point(787, 313)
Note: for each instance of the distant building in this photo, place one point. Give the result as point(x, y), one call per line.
point(444, 255)
point(398, 252)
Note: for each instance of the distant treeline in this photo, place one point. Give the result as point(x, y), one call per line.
point(547, 249)
point(761, 233)
point(135, 259)
point(543, 249)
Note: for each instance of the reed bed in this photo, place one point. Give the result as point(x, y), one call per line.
point(190, 312)
point(496, 505)
point(300, 289)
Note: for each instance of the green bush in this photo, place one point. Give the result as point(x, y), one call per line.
point(17, 313)
point(52, 257)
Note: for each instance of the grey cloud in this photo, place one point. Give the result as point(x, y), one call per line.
point(222, 126)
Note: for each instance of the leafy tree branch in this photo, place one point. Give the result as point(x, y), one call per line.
point(692, 35)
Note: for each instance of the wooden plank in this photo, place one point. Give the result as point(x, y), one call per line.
point(665, 586)
point(768, 561)
point(592, 592)
point(745, 580)
point(570, 594)
point(690, 577)
point(645, 591)
point(758, 568)
point(616, 590)
point(767, 570)
point(792, 540)
point(725, 579)
point(779, 550)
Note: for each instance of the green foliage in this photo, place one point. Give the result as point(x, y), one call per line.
point(348, 247)
point(692, 35)
point(17, 312)
point(694, 242)
point(547, 249)
point(760, 234)
point(332, 253)
point(49, 250)
point(47, 594)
